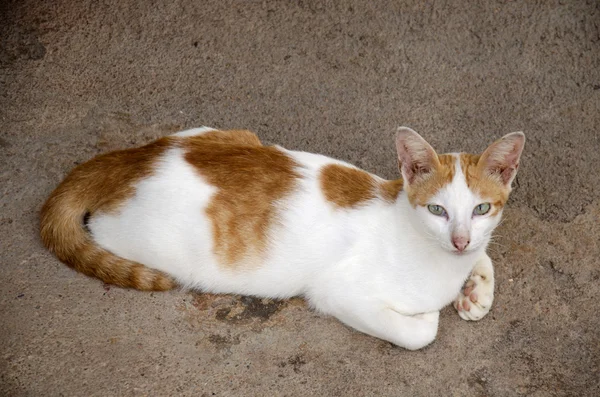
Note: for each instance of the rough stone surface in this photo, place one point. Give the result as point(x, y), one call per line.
point(78, 78)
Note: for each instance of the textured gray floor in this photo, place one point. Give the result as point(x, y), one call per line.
point(78, 78)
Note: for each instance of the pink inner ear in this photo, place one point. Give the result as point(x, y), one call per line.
point(507, 174)
point(512, 157)
point(411, 165)
point(414, 168)
point(502, 158)
point(415, 155)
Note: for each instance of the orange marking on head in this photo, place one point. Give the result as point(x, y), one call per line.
point(423, 189)
point(424, 171)
point(481, 183)
point(490, 174)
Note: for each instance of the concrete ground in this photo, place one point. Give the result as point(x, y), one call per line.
point(79, 78)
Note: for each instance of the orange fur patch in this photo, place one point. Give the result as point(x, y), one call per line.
point(389, 190)
point(485, 186)
point(250, 179)
point(235, 137)
point(101, 184)
point(347, 187)
point(420, 192)
point(108, 180)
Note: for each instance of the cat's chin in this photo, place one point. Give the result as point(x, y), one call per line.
point(462, 253)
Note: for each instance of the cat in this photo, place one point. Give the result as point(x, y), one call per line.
point(218, 212)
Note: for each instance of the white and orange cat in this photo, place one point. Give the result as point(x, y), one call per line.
point(219, 212)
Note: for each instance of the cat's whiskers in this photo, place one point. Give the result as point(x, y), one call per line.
point(432, 238)
point(428, 243)
point(495, 247)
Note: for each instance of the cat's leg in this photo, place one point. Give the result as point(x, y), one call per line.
point(475, 300)
point(411, 332)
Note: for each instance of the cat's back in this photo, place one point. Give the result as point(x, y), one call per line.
point(218, 203)
point(209, 199)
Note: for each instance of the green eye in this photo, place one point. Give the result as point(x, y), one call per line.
point(436, 210)
point(482, 209)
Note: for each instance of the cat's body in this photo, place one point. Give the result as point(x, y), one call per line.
point(218, 212)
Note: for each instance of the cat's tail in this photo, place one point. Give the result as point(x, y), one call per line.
point(64, 233)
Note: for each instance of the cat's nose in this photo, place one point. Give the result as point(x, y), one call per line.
point(460, 242)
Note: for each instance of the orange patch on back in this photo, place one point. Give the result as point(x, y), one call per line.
point(389, 190)
point(348, 187)
point(250, 179)
point(420, 192)
point(486, 187)
point(237, 137)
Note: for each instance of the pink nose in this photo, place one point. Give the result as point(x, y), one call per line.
point(460, 243)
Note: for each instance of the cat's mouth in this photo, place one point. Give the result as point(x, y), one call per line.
point(457, 252)
point(464, 252)
point(452, 250)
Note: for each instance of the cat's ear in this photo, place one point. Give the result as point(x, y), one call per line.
point(501, 158)
point(416, 157)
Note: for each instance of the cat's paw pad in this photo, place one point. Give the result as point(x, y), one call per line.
point(475, 299)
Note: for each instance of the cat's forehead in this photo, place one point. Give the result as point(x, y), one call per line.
point(458, 176)
point(423, 192)
point(481, 184)
point(456, 192)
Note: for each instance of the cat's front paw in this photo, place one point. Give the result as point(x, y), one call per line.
point(475, 299)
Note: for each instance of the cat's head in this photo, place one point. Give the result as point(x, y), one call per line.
point(458, 198)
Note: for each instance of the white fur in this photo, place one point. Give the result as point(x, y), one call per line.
point(193, 132)
point(384, 269)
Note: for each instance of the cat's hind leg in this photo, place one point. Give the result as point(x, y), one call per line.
point(476, 298)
